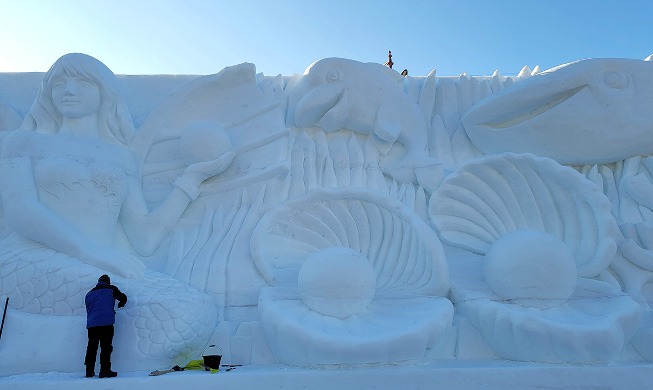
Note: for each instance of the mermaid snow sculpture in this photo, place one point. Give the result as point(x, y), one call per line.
point(71, 191)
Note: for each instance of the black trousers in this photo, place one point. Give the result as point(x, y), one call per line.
point(102, 335)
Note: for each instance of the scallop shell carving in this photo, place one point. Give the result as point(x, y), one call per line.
point(489, 197)
point(406, 254)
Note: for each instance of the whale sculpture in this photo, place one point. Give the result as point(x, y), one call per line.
point(585, 112)
point(366, 99)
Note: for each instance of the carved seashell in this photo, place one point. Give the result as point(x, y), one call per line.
point(405, 253)
point(591, 327)
point(492, 196)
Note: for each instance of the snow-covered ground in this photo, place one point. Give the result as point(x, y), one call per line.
point(441, 375)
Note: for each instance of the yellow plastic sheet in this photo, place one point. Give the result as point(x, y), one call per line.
point(199, 365)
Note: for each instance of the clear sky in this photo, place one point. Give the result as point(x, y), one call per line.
point(285, 36)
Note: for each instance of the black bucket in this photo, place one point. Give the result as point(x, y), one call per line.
point(212, 356)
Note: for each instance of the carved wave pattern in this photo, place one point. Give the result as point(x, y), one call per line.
point(405, 252)
point(490, 197)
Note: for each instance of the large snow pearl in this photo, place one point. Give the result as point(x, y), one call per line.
point(337, 282)
point(203, 141)
point(531, 268)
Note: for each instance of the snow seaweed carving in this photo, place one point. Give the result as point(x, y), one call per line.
point(628, 184)
point(402, 253)
point(344, 159)
point(214, 256)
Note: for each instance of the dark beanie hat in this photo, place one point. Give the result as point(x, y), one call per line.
point(105, 279)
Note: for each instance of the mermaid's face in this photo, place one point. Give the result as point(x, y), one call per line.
point(75, 96)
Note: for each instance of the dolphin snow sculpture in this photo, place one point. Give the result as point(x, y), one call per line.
point(585, 112)
point(365, 98)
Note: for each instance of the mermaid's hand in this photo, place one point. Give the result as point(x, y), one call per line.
point(198, 172)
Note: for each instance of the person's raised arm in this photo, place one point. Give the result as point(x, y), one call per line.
point(146, 230)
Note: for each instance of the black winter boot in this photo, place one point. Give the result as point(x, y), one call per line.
point(108, 374)
point(105, 371)
point(90, 372)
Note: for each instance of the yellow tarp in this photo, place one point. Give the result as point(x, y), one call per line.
point(198, 365)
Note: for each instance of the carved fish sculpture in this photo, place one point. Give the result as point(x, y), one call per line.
point(585, 112)
point(366, 99)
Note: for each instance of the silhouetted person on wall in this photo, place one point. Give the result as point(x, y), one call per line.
point(389, 63)
point(100, 317)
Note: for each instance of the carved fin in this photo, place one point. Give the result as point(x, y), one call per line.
point(315, 104)
point(388, 125)
point(336, 117)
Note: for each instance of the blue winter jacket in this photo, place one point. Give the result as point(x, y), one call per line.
point(100, 304)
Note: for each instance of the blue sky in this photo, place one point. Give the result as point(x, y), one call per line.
point(285, 36)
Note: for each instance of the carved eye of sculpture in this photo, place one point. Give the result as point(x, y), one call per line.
point(615, 80)
point(85, 83)
point(58, 84)
point(333, 76)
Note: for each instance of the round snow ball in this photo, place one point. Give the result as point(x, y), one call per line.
point(203, 141)
point(531, 268)
point(337, 282)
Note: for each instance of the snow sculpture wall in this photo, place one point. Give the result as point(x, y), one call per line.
point(345, 216)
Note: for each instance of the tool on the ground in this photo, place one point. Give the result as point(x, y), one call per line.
point(230, 367)
point(161, 372)
point(4, 314)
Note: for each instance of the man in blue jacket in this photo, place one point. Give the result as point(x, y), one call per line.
point(100, 317)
